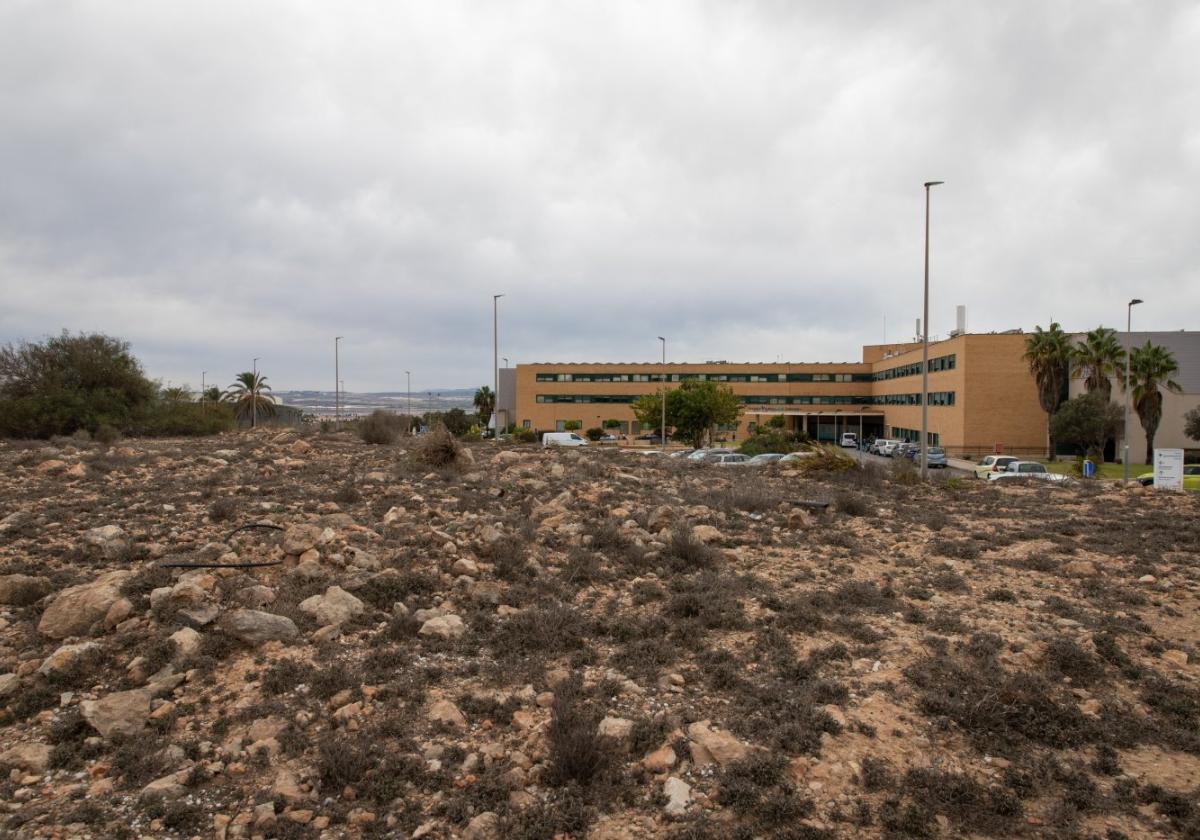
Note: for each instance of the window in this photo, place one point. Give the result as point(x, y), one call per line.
point(525, 424)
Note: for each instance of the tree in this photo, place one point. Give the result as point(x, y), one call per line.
point(695, 408)
point(485, 404)
point(177, 394)
point(1098, 357)
point(1048, 353)
point(648, 411)
point(1087, 421)
point(246, 393)
point(572, 426)
point(1191, 423)
point(456, 422)
point(70, 382)
point(211, 394)
point(612, 424)
point(1150, 371)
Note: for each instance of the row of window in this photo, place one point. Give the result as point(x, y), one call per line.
point(938, 364)
point(939, 398)
point(703, 377)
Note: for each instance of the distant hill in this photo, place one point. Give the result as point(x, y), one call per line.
point(322, 403)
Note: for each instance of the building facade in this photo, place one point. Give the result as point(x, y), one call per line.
point(981, 395)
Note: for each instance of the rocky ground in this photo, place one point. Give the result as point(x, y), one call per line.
point(514, 643)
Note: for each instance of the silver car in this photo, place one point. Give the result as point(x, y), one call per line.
point(765, 458)
point(729, 459)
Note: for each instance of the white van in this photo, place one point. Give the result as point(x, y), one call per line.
point(563, 439)
point(850, 440)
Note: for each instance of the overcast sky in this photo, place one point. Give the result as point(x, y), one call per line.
point(221, 180)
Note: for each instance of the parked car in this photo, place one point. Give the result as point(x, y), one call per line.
point(993, 464)
point(1191, 477)
point(607, 438)
point(905, 449)
point(652, 438)
point(1026, 469)
point(850, 440)
point(766, 458)
point(681, 453)
point(563, 439)
point(793, 456)
point(936, 457)
point(886, 448)
point(708, 454)
point(730, 459)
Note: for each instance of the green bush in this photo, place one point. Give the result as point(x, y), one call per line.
point(594, 434)
point(770, 440)
point(525, 436)
point(161, 418)
point(572, 426)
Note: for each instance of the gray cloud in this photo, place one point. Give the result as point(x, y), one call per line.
point(219, 181)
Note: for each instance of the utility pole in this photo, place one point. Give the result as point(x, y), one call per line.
point(663, 432)
point(1128, 388)
point(254, 395)
point(496, 366)
point(203, 396)
point(925, 347)
point(408, 385)
point(337, 380)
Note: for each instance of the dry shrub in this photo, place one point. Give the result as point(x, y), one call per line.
point(826, 459)
point(381, 427)
point(438, 449)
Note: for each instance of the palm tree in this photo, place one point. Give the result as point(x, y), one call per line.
point(177, 394)
point(485, 402)
point(211, 394)
point(1097, 358)
point(246, 393)
point(1048, 353)
point(1150, 370)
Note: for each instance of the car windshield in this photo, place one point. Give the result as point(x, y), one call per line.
point(936, 450)
point(1031, 468)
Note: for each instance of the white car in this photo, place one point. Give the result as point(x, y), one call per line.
point(1027, 469)
point(886, 448)
point(563, 439)
point(850, 440)
point(729, 459)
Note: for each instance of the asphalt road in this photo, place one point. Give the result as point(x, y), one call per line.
point(886, 463)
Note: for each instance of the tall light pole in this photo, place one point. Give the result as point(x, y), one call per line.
point(663, 431)
point(337, 379)
point(408, 385)
point(505, 358)
point(1128, 388)
point(254, 394)
point(925, 346)
point(496, 366)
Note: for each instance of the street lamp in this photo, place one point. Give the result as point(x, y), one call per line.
point(925, 347)
point(1128, 353)
point(408, 381)
point(496, 366)
point(203, 404)
point(254, 394)
point(337, 378)
point(663, 431)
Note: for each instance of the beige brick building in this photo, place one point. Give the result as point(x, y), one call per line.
point(982, 396)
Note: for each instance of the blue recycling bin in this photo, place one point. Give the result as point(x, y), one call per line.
point(1089, 468)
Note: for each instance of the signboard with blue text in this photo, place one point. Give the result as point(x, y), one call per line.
point(1168, 469)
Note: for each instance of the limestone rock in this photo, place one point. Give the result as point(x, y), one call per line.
point(679, 796)
point(66, 656)
point(76, 609)
point(445, 712)
point(23, 590)
point(31, 757)
point(108, 541)
point(710, 745)
point(446, 626)
point(706, 534)
point(661, 760)
point(483, 826)
point(8, 684)
point(336, 606)
point(187, 641)
point(298, 539)
point(170, 786)
point(119, 713)
point(616, 728)
point(254, 626)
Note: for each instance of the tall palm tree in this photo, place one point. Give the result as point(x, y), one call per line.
point(211, 394)
point(1048, 353)
point(485, 402)
point(246, 393)
point(1098, 357)
point(1150, 371)
point(177, 394)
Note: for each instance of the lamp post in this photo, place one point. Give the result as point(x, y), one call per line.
point(662, 433)
point(1128, 353)
point(496, 366)
point(203, 404)
point(925, 346)
point(408, 385)
point(254, 394)
point(337, 379)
